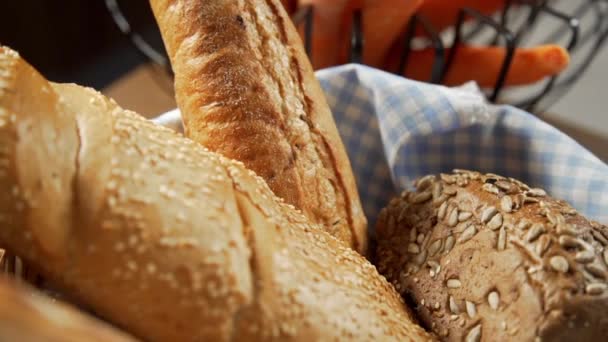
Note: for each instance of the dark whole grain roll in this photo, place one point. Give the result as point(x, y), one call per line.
point(487, 258)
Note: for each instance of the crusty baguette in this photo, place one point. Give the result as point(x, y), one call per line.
point(27, 316)
point(165, 238)
point(246, 89)
point(487, 258)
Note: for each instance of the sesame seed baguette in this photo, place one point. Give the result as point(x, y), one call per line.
point(487, 258)
point(246, 89)
point(28, 316)
point(165, 238)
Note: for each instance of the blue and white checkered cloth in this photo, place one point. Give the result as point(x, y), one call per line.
point(396, 130)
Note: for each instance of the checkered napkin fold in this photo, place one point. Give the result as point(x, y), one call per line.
point(396, 130)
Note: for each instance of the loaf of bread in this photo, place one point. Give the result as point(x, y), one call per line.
point(27, 316)
point(160, 236)
point(246, 89)
point(487, 258)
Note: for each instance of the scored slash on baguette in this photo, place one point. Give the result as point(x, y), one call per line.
point(166, 239)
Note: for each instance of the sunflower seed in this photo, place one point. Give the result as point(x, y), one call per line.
point(403, 213)
point(530, 200)
point(568, 241)
point(504, 185)
point(536, 192)
point(605, 255)
point(453, 218)
point(474, 334)
point(421, 197)
point(437, 190)
point(434, 247)
point(596, 270)
point(566, 229)
point(494, 300)
point(536, 231)
point(413, 248)
point(490, 188)
point(559, 263)
point(453, 283)
point(523, 225)
point(506, 204)
point(448, 179)
point(450, 191)
point(596, 288)
point(599, 237)
point(543, 244)
point(553, 218)
point(487, 214)
point(424, 182)
point(449, 244)
point(502, 239)
point(471, 309)
point(467, 234)
point(413, 234)
point(495, 222)
point(465, 215)
point(420, 258)
point(453, 306)
point(584, 257)
point(420, 238)
point(519, 200)
point(442, 210)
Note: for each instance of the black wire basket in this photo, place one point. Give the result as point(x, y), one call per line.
point(581, 26)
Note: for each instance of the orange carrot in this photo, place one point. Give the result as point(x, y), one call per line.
point(443, 13)
point(483, 64)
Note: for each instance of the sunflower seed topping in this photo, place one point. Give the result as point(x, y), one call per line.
point(474, 334)
point(471, 309)
point(568, 241)
point(495, 222)
point(453, 218)
point(528, 199)
point(605, 255)
point(453, 283)
point(506, 204)
point(566, 229)
point(413, 248)
point(449, 244)
point(494, 300)
point(487, 214)
point(596, 270)
point(536, 231)
point(584, 257)
point(424, 182)
point(504, 185)
point(465, 215)
point(437, 189)
point(421, 197)
point(453, 306)
point(543, 245)
point(490, 188)
point(559, 264)
point(450, 191)
point(442, 210)
point(467, 234)
point(434, 247)
point(420, 238)
point(596, 288)
point(448, 179)
point(420, 258)
point(536, 192)
point(523, 225)
point(502, 239)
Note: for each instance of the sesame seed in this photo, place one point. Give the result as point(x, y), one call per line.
point(453, 283)
point(494, 300)
point(471, 309)
point(559, 263)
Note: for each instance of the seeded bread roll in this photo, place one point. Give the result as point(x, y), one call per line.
point(486, 258)
point(160, 236)
point(27, 316)
point(246, 89)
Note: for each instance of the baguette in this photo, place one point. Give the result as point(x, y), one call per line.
point(28, 316)
point(486, 258)
point(246, 89)
point(165, 238)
